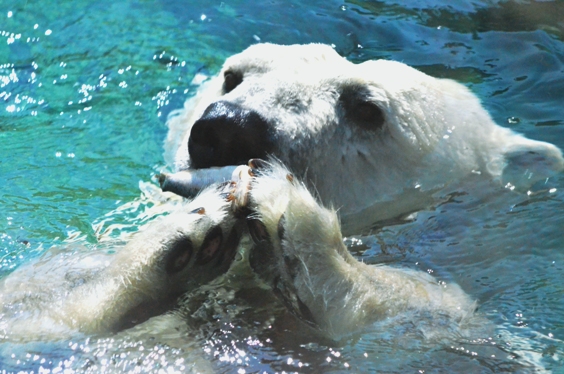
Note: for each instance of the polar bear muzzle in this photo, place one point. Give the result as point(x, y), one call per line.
point(228, 134)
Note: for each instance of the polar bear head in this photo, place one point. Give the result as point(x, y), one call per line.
point(374, 139)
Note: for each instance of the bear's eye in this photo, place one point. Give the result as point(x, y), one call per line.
point(231, 80)
point(360, 110)
point(367, 115)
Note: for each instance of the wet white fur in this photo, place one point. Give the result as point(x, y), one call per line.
point(89, 292)
point(343, 294)
point(436, 131)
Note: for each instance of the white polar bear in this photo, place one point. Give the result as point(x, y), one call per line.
point(372, 139)
point(397, 133)
point(66, 293)
point(298, 252)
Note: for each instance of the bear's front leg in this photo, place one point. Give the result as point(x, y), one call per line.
point(299, 252)
point(168, 257)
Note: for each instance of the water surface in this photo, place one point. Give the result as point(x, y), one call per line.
point(85, 88)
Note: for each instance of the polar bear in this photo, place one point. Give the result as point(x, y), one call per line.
point(66, 293)
point(398, 133)
point(373, 140)
point(298, 253)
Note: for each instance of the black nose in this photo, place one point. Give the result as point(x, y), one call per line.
point(228, 134)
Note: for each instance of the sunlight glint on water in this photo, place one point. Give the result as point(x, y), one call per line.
point(85, 88)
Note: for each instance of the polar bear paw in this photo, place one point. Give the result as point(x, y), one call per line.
point(265, 192)
point(299, 253)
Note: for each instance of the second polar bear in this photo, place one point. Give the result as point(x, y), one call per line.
point(398, 133)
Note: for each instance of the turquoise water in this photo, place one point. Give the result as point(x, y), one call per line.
point(85, 88)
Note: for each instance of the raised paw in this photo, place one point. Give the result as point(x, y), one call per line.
point(280, 212)
point(299, 252)
point(170, 256)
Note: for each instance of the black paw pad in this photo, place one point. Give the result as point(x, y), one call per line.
point(289, 297)
point(230, 247)
point(211, 246)
point(258, 231)
point(256, 166)
point(280, 228)
point(179, 255)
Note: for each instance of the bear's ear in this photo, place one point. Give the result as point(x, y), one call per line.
point(529, 161)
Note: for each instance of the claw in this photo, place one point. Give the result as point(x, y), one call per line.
point(241, 197)
point(228, 196)
point(240, 173)
point(256, 165)
point(200, 210)
point(240, 187)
